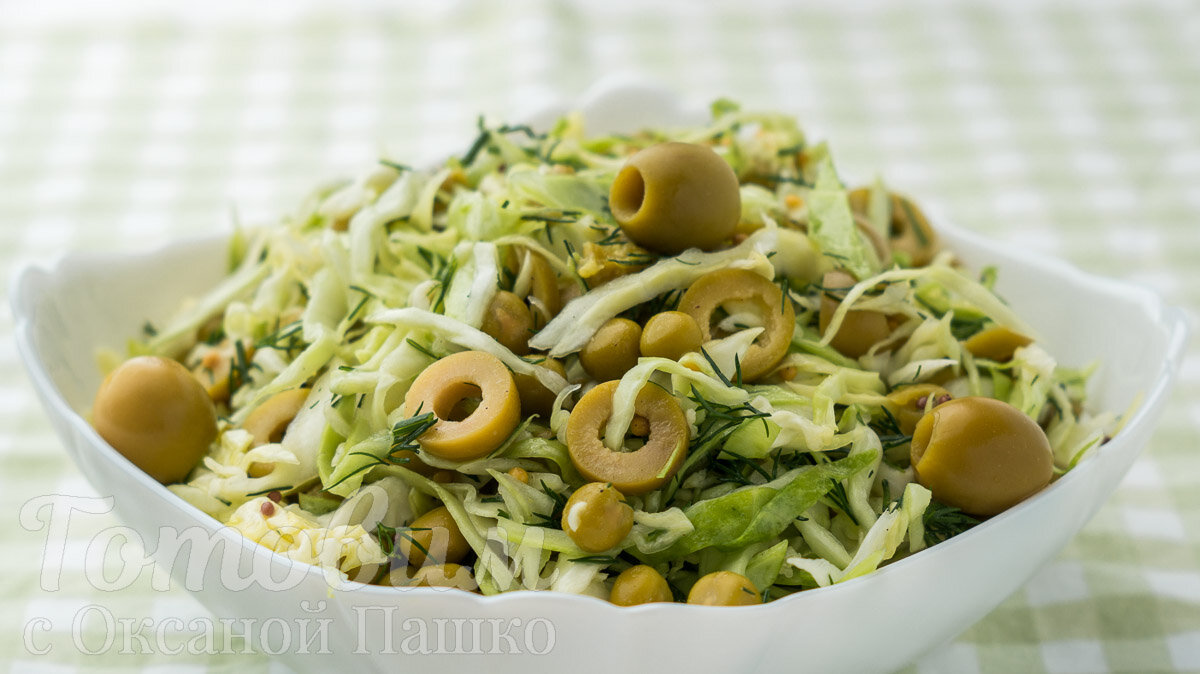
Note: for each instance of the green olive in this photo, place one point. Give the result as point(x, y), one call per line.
point(639, 471)
point(214, 368)
point(544, 295)
point(860, 329)
point(670, 334)
point(612, 350)
point(535, 397)
point(909, 231)
point(442, 386)
point(640, 584)
point(596, 517)
point(435, 533)
point(980, 455)
point(996, 343)
point(155, 413)
point(674, 196)
point(444, 575)
point(907, 404)
point(880, 244)
point(739, 286)
point(724, 588)
point(509, 322)
point(269, 420)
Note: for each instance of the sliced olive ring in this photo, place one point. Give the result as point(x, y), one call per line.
point(909, 231)
point(907, 404)
point(542, 295)
point(448, 382)
point(635, 472)
point(996, 343)
point(723, 286)
point(269, 420)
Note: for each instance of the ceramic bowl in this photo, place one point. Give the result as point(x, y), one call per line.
point(875, 623)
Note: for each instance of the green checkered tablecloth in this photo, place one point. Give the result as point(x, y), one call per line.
point(1071, 128)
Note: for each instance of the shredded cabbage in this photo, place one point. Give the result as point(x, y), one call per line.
point(797, 480)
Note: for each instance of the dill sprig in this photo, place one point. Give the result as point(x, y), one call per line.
point(399, 168)
point(421, 347)
point(604, 560)
point(286, 339)
point(943, 521)
point(390, 536)
point(719, 422)
point(837, 496)
point(888, 430)
point(406, 431)
point(554, 519)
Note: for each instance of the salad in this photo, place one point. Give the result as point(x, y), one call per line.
point(679, 365)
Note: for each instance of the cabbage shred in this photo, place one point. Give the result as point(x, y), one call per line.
point(798, 481)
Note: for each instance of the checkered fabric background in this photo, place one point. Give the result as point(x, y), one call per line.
point(1071, 128)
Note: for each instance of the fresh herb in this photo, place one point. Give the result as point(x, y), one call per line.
point(406, 431)
point(554, 519)
point(399, 168)
point(603, 560)
point(286, 339)
point(421, 347)
point(478, 144)
point(269, 490)
point(837, 496)
point(943, 521)
point(389, 537)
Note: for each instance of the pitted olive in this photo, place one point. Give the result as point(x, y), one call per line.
point(155, 413)
point(674, 196)
point(981, 455)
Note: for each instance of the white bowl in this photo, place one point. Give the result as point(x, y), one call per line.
point(874, 623)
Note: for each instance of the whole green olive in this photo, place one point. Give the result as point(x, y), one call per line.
point(435, 533)
point(996, 343)
point(724, 588)
point(596, 517)
point(636, 472)
point(673, 196)
point(980, 455)
point(860, 329)
point(155, 413)
point(612, 350)
point(670, 334)
point(509, 322)
point(639, 584)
